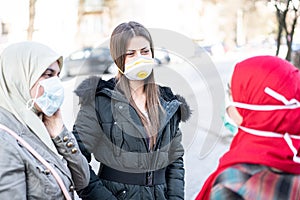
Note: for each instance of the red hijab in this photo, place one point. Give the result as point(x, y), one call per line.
point(249, 79)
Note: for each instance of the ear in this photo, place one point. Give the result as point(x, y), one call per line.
point(234, 114)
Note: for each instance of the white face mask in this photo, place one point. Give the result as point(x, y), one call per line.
point(288, 104)
point(52, 98)
point(139, 68)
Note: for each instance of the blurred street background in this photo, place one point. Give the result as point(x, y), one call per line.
point(223, 32)
point(218, 26)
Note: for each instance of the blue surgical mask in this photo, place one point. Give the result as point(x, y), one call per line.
point(52, 98)
point(230, 124)
point(227, 121)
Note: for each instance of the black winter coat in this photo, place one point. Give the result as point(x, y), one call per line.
point(108, 127)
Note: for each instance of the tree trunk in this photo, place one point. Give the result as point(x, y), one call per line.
point(30, 29)
point(290, 35)
point(279, 33)
point(284, 26)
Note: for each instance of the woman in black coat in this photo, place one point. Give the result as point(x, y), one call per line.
point(131, 125)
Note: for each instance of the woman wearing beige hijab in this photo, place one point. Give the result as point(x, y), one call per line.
point(30, 97)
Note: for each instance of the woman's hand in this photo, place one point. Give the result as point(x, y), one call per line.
point(54, 124)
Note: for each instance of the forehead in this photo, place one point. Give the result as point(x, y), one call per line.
point(138, 42)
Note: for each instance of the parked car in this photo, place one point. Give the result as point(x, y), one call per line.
point(161, 56)
point(87, 61)
point(98, 60)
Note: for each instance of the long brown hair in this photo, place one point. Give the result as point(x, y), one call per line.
point(120, 38)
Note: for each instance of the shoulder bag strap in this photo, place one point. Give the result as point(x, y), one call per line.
point(41, 159)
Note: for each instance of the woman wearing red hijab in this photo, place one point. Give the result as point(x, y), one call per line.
point(262, 162)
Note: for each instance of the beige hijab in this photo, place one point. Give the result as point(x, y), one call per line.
point(21, 65)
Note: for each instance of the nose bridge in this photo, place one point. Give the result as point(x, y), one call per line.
point(138, 52)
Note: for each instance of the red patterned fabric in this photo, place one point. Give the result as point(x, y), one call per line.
point(249, 79)
point(252, 182)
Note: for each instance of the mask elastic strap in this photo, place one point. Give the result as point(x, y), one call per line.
point(30, 102)
point(292, 104)
point(261, 133)
point(272, 93)
point(120, 71)
point(289, 141)
point(287, 137)
point(261, 107)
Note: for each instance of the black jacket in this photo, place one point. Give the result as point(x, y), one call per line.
point(108, 127)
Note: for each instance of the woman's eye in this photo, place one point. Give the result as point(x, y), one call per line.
point(48, 75)
point(129, 54)
point(145, 52)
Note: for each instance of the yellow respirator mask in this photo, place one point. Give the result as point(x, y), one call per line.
point(139, 68)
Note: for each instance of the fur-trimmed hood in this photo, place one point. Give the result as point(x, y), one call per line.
point(87, 89)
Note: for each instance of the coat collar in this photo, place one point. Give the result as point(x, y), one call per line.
point(94, 85)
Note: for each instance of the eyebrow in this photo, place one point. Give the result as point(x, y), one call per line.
point(140, 49)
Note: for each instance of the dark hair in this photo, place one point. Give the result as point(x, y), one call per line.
point(120, 38)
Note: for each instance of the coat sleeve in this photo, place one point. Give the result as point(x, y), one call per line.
point(86, 130)
point(12, 172)
point(175, 171)
point(67, 146)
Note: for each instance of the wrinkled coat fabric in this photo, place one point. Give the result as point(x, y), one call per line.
point(110, 128)
point(22, 176)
